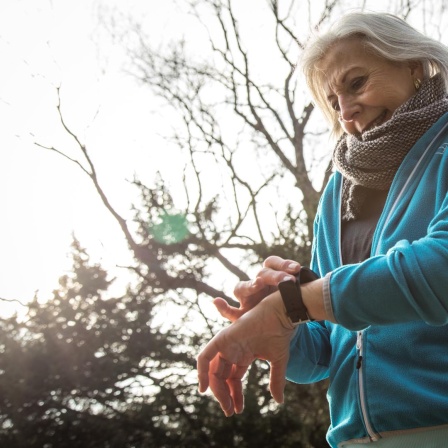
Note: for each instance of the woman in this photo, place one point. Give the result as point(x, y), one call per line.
point(380, 249)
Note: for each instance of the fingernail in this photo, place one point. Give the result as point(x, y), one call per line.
point(287, 278)
point(293, 266)
point(226, 411)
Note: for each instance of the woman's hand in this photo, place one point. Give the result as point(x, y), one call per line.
point(264, 332)
point(252, 292)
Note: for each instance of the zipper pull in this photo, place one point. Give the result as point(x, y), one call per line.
point(359, 348)
point(359, 362)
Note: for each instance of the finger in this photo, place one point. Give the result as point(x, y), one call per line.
point(247, 288)
point(277, 379)
point(281, 264)
point(208, 353)
point(251, 292)
point(272, 277)
point(221, 370)
point(203, 381)
point(235, 383)
point(227, 311)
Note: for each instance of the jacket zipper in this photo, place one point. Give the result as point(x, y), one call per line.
point(361, 391)
point(373, 436)
point(359, 340)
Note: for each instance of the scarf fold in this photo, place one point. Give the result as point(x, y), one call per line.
point(370, 160)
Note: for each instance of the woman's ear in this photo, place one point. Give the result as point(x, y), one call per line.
point(416, 68)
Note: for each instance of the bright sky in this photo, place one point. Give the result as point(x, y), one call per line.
point(49, 43)
point(43, 199)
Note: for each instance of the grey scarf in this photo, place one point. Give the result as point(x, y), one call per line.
point(371, 160)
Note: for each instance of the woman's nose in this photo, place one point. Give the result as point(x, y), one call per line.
point(347, 108)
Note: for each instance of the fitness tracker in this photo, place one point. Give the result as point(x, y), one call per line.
point(292, 296)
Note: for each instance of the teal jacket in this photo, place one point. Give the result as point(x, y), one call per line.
point(387, 356)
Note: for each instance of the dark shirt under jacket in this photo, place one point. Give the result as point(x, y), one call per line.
point(357, 235)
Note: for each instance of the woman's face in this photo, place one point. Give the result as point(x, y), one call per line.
point(363, 88)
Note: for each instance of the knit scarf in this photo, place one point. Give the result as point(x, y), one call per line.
point(370, 160)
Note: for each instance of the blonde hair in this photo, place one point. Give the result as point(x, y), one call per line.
point(385, 35)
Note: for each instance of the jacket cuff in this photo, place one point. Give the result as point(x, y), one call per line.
point(327, 299)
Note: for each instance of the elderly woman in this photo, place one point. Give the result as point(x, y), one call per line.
point(375, 317)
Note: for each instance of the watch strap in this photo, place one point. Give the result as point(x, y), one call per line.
point(292, 295)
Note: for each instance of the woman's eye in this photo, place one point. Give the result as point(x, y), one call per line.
point(357, 83)
point(335, 106)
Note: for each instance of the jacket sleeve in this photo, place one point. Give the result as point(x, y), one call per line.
point(309, 354)
point(310, 348)
point(409, 282)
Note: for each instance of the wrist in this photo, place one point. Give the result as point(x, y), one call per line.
point(313, 299)
point(277, 307)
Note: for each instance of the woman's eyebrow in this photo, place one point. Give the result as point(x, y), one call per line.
point(342, 81)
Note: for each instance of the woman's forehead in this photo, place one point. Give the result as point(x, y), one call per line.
point(343, 54)
point(343, 59)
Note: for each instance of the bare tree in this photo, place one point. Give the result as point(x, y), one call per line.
point(231, 107)
point(256, 130)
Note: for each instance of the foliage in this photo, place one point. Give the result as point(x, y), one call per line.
point(87, 369)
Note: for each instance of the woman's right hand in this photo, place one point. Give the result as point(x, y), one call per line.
point(250, 293)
